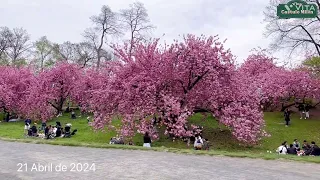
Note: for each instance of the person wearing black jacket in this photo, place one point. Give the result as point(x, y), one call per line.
point(34, 130)
point(287, 116)
point(146, 140)
point(310, 151)
point(306, 146)
point(292, 150)
point(46, 130)
point(58, 132)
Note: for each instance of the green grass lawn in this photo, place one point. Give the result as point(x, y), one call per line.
point(221, 141)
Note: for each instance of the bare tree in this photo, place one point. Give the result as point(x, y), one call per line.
point(44, 49)
point(84, 53)
point(64, 51)
point(106, 23)
point(18, 45)
point(136, 19)
point(295, 35)
point(5, 34)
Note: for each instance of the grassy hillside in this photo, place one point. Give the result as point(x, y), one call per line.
point(221, 140)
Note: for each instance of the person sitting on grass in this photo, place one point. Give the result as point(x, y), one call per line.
point(46, 130)
point(50, 134)
point(67, 130)
point(310, 151)
point(305, 146)
point(58, 132)
point(120, 140)
point(54, 129)
point(112, 140)
point(34, 129)
point(198, 143)
point(292, 150)
point(27, 126)
point(283, 148)
point(73, 115)
point(29, 132)
point(296, 144)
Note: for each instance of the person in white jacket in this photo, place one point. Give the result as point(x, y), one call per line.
point(198, 143)
point(283, 148)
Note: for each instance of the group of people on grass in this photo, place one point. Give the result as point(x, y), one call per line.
point(117, 140)
point(48, 132)
point(199, 143)
point(295, 149)
point(303, 111)
point(120, 140)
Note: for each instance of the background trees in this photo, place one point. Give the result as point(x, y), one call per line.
point(14, 88)
point(148, 85)
point(95, 48)
point(14, 45)
point(50, 90)
point(136, 20)
point(161, 86)
point(43, 50)
point(295, 35)
point(312, 65)
point(105, 24)
point(278, 86)
point(170, 84)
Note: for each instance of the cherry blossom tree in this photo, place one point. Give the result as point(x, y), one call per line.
point(277, 84)
point(50, 90)
point(14, 86)
point(169, 84)
point(89, 83)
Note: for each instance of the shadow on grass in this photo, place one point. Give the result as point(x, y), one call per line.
point(266, 156)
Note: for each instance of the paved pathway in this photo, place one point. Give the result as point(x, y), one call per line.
point(124, 164)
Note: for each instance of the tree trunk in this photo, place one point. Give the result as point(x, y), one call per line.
point(8, 117)
point(60, 107)
point(99, 59)
point(285, 107)
point(41, 65)
point(4, 112)
point(314, 106)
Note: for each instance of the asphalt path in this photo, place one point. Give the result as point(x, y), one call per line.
point(39, 161)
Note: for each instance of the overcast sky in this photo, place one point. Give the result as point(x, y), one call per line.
point(65, 20)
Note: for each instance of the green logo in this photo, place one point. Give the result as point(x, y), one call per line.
point(297, 9)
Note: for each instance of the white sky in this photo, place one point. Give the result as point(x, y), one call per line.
point(65, 20)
